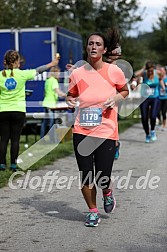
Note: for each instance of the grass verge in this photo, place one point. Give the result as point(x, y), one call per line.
point(63, 149)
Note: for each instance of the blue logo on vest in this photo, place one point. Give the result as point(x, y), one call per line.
point(10, 84)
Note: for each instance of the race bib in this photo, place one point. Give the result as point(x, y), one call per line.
point(150, 91)
point(163, 92)
point(90, 116)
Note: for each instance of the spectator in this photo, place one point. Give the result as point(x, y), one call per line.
point(51, 93)
point(13, 105)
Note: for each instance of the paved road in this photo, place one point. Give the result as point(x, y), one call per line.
point(35, 220)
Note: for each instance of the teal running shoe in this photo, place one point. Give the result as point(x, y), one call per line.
point(117, 151)
point(148, 139)
point(153, 136)
point(92, 219)
point(2, 167)
point(109, 203)
point(13, 167)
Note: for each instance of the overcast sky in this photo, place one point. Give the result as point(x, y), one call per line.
point(150, 16)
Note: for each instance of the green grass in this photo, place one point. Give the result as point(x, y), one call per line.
point(127, 123)
point(63, 149)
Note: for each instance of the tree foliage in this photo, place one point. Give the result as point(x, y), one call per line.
point(80, 16)
point(122, 14)
point(87, 16)
point(158, 42)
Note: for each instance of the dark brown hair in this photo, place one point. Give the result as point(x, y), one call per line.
point(113, 39)
point(98, 34)
point(149, 65)
point(10, 57)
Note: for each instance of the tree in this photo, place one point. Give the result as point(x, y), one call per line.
point(120, 13)
point(27, 13)
point(83, 17)
point(15, 13)
point(137, 51)
point(158, 42)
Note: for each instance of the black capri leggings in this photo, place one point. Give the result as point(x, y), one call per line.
point(96, 152)
point(149, 110)
point(11, 124)
point(163, 109)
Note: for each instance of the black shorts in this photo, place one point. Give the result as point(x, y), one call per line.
point(95, 157)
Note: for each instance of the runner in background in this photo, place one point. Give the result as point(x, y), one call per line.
point(150, 107)
point(163, 100)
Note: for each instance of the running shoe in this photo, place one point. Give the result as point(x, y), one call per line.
point(109, 203)
point(13, 167)
point(153, 136)
point(163, 129)
point(148, 139)
point(117, 151)
point(2, 167)
point(92, 219)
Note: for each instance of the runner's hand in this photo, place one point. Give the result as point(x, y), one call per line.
point(71, 102)
point(110, 103)
point(70, 67)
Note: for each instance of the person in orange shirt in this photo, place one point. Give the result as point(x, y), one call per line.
point(98, 86)
point(113, 53)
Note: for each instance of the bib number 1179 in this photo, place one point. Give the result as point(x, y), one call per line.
point(90, 116)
